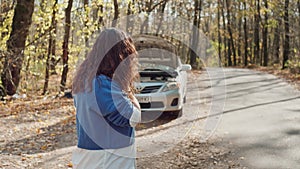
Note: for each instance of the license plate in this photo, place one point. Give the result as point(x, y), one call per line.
point(144, 99)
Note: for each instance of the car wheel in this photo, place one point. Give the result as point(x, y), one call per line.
point(177, 113)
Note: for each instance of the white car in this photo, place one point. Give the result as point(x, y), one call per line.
point(163, 80)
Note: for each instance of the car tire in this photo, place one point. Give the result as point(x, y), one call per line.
point(177, 113)
point(184, 99)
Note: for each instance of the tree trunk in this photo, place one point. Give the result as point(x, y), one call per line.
point(51, 45)
point(195, 38)
point(298, 4)
point(116, 13)
point(265, 36)
point(231, 49)
point(100, 21)
point(277, 41)
point(246, 36)
point(161, 17)
point(286, 46)
point(53, 60)
point(98, 17)
point(219, 35)
point(16, 44)
point(225, 37)
point(229, 59)
point(250, 28)
point(256, 32)
point(86, 34)
point(240, 38)
point(65, 47)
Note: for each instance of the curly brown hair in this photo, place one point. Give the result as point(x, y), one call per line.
point(113, 55)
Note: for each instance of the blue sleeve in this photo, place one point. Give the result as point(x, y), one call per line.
point(113, 103)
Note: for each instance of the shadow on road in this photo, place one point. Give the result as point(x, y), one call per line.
point(293, 132)
point(219, 114)
point(160, 119)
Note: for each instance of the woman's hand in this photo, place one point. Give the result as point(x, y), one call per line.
point(134, 101)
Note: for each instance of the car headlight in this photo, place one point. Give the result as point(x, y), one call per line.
point(171, 86)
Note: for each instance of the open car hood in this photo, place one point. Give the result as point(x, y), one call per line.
point(158, 73)
point(157, 56)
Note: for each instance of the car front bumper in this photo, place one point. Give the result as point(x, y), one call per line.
point(161, 101)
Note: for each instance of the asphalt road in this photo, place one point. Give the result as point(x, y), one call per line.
point(255, 114)
point(261, 119)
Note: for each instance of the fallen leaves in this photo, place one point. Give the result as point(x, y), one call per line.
point(70, 164)
point(40, 106)
point(32, 127)
point(191, 153)
point(44, 147)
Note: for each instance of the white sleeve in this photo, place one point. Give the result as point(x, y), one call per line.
point(135, 117)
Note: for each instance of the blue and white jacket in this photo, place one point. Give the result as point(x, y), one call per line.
point(105, 117)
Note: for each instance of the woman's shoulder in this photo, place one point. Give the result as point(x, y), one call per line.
point(104, 81)
point(103, 77)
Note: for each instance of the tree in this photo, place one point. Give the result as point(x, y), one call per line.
point(227, 59)
point(86, 20)
point(98, 13)
point(116, 13)
point(265, 36)
point(65, 46)
point(256, 32)
point(53, 61)
point(148, 8)
point(219, 34)
point(246, 36)
point(51, 48)
point(276, 44)
point(195, 33)
point(16, 45)
point(286, 47)
point(231, 46)
point(240, 33)
point(161, 17)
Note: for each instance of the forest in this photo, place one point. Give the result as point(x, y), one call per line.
point(42, 41)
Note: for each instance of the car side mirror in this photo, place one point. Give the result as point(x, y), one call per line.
point(186, 67)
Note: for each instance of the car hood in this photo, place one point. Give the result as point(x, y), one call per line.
point(156, 56)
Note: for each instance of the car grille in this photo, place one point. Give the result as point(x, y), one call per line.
point(151, 89)
point(152, 105)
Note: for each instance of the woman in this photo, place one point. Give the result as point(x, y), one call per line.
point(106, 109)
